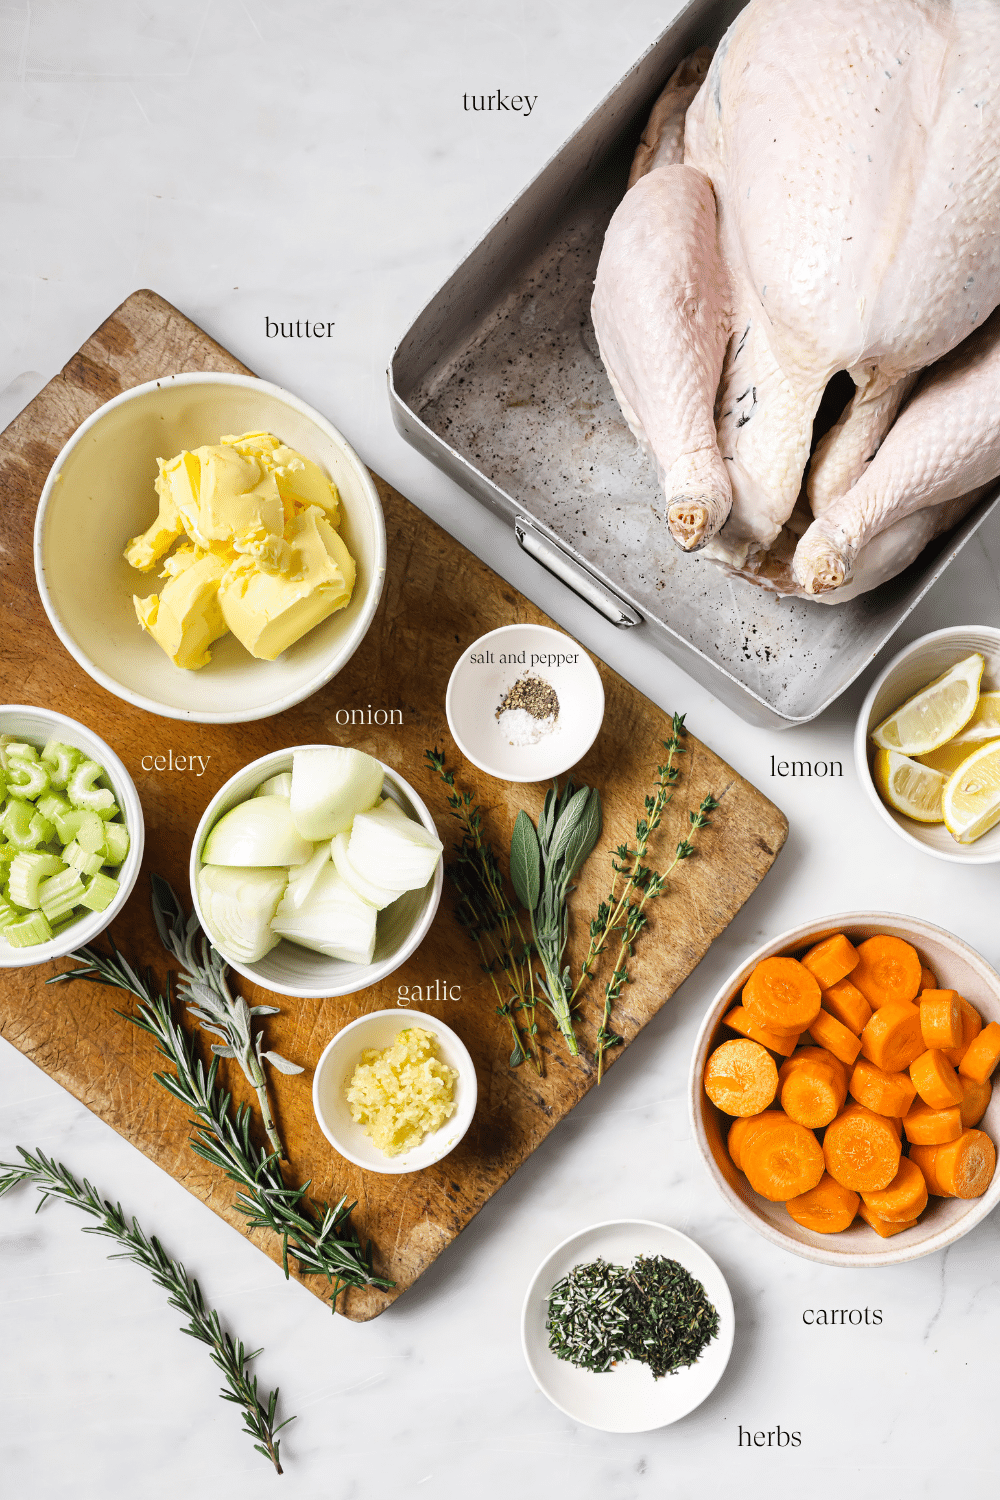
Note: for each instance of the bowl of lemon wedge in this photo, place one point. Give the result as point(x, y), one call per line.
point(927, 744)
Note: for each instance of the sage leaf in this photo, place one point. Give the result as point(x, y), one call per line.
point(567, 822)
point(281, 1063)
point(584, 837)
point(525, 873)
point(222, 1051)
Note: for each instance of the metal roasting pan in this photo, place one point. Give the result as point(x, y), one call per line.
point(499, 383)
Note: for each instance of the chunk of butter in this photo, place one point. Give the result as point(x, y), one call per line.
point(261, 557)
point(185, 618)
point(268, 611)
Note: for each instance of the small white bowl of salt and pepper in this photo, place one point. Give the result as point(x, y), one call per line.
point(524, 703)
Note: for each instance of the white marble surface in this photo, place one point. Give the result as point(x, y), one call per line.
point(307, 158)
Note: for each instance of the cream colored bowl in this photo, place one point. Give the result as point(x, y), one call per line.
point(37, 726)
point(99, 494)
point(956, 966)
point(340, 1057)
point(905, 675)
point(291, 970)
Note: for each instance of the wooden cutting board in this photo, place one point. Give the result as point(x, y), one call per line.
point(438, 598)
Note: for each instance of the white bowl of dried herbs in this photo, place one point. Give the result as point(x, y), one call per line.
point(627, 1326)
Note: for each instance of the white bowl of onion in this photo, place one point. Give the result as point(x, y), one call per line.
point(269, 887)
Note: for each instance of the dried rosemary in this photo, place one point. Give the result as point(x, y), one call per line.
point(53, 1180)
point(653, 1311)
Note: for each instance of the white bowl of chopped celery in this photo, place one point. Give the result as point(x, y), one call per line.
point(99, 498)
point(316, 871)
point(71, 835)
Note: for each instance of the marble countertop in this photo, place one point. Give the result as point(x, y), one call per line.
point(251, 160)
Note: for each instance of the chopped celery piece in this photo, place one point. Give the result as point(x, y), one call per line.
point(26, 778)
point(107, 813)
point(20, 750)
point(82, 792)
point(58, 895)
point(25, 874)
point(8, 913)
point(40, 830)
point(8, 852)
point(101, 891)
point(79, 859)
point(15, 822)
point(62, 760)
point(53, 805)
point(28, 931)
point(83, 826)
point(116, 843)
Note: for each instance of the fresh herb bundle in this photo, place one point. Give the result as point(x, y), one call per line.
point(543, 866)
point(653, 1311)
point(53, 1180)
point(317, 1236)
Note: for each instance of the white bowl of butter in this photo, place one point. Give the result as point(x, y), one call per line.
point(336, 1067)
point(99, 495)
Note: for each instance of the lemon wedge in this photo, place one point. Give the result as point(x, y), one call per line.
point(937, 713)
point(909, 787)
point(985, 722)
point(949, 757)
point(971, 798)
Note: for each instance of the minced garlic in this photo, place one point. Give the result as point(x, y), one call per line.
point(403, 1092)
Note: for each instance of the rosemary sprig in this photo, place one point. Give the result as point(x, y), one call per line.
point(53, 1180)
point(317, 1236)
point(491, 920)
point(204, 990)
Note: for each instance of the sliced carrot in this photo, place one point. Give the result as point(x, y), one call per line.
point(846, 1002)
point(892, 1038)
point(936, 1080)
point(928, 980)
point(862, 1149)
point(781, 995)
point(882, 1226)
point(742, 1127)
point(738, 1020)
point(827, 1208)
point(904, 1199)
point(960, 1169)
point(741, 1078)
point(889, 971)
point(812, 1092)
point(983, 1054)
point(884, 1093)
point(781, 1162)
point(932, 1127)
point(975, 1101)
point(941, 1018)
point(835, 1037)
point(831, 960)
point(972, 1025)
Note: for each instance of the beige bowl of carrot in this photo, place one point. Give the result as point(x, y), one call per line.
point(841, 1089)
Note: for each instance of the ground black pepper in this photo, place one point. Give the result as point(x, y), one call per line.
point(534, 695)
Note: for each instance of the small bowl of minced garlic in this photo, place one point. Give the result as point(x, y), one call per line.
point(395, 1091)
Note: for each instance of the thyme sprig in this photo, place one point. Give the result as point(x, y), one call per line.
point(317, 1236)
point(53, 1180)
point(624, 911)
point(203, 988)
point(491, 920)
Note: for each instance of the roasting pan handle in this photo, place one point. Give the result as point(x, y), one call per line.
point(569, 571)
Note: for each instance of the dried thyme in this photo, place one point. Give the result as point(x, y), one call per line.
point(653, 1311)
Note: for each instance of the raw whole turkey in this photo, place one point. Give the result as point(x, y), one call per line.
point(821, 195)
